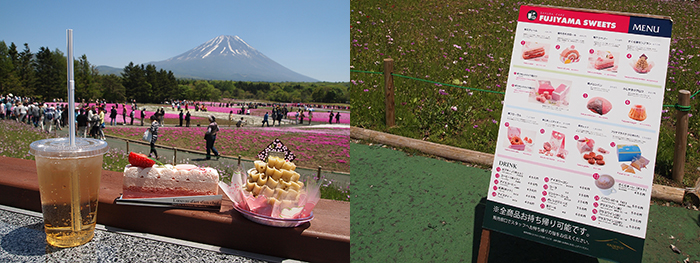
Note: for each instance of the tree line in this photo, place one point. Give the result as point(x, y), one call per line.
point(42, 75)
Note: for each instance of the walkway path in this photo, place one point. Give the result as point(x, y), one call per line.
point(168, 154)
point(252, 120)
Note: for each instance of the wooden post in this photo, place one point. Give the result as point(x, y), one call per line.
point(681, 137)
point(239, 160)
point(174, 155)
point(389, 91)
point(484, 246)
point(127, 146)
point(318, 174)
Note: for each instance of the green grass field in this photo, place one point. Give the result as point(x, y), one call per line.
point(469, 43)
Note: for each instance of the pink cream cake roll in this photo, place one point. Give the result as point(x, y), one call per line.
point(533, 51)
point(167, 180)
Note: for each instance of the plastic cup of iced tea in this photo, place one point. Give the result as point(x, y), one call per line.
point(69, 180)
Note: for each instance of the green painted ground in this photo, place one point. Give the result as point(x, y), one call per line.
point(418, 209)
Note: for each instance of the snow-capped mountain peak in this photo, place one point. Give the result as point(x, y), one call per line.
point(228, 58)
point(223, 45)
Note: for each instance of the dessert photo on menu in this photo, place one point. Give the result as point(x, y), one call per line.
point(569, 55)
point(641, 64)
point(520, 139)
point(550, 91)
point(603, 60)
point(534, 51)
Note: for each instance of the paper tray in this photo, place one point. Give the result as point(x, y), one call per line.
point(271, 221)
point(199, 202)
point(262, 219)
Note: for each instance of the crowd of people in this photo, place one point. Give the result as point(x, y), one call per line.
point(52, 116)
point(255, 105)
point(41, 115)
point(90, 117)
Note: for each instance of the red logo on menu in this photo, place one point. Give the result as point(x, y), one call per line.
point(570, 18)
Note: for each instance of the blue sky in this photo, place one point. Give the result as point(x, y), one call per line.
point(309, 37)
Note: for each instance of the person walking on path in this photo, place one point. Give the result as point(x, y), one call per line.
point(162, 116)
point(36, 115)
point(230, 118)
point(279, 117)
point(91, 119)
point(154, 135)
point(274, 116)
point(210, 137)
point(330, 118)
point(42, 112)
point(124, 113)
point(143, 115)
point(337, 117)
point(113, 116)
point(265, 121)
point(49, 117)
point(63, 120)
point(311, 115)
point(23, 113)
point(82, 120)
point(57, 117)
point(131, 116)
point(101, 125)
point(180, 117)
point(301, 120)
point(187, 117)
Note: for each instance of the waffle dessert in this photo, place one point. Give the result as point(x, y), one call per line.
point(275, 179)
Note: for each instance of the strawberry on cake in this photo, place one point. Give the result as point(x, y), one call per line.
point(603, 62)
point(143, 178)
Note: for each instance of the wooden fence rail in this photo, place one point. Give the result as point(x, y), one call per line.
point(681, 141)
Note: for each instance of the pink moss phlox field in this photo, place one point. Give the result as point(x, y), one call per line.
point(321, 115)
point(313, 147)
point(137, 113)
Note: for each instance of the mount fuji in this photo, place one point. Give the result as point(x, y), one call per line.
point(229, 58)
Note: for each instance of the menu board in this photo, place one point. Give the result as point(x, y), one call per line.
point(574, 162)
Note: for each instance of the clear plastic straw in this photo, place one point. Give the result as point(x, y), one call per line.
point(76, 219)
point(71, 89)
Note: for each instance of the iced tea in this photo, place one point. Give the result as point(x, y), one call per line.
point(55, 186)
